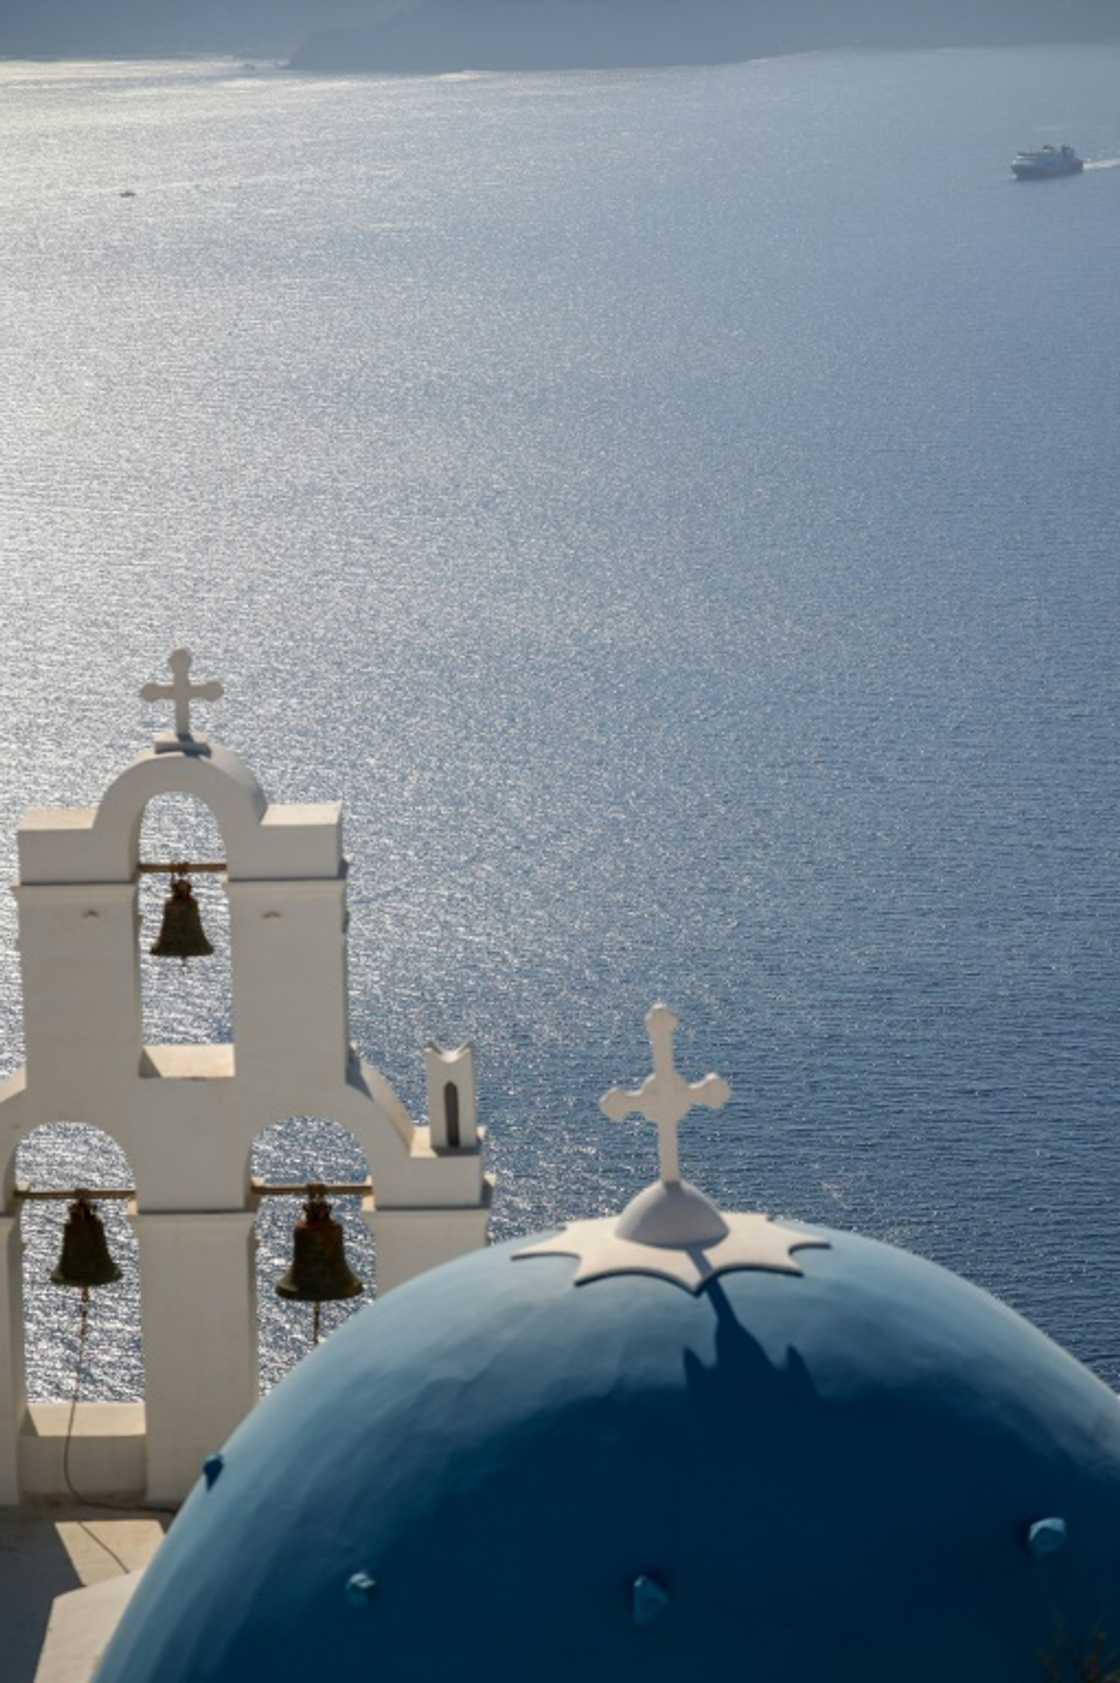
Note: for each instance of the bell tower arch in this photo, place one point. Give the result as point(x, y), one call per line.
point(190, 1001)
point(186, 1115)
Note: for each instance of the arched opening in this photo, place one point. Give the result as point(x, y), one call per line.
point(295, 1152)
point(451, 1112)
point(68, 1155)
point(184, 1003)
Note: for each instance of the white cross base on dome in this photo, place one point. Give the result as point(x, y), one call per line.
point(182, 692)
point(671, 1229)
point(751, 1241)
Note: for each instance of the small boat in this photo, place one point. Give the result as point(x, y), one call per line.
point(1047, 161)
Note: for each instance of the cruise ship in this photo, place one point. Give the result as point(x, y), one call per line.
point(1047, 161)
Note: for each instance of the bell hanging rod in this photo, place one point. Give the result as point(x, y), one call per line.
point(181, 868)
point(300, 1188)
point(92, 1194)
point(287, 1189)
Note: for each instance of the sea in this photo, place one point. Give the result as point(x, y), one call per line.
point(677, 513)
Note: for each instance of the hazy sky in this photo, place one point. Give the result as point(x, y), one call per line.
point(121, 26)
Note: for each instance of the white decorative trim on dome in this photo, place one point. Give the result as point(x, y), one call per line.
point(670, 1229)
point(752, 1241)
point(182, 692)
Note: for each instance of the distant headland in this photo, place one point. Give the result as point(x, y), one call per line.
point(429, 36)
point(447, 35)
point(443, 35)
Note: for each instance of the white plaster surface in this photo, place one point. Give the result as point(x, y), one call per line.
point(409, 1241)
point(198, 1308)
point(81, 1623)
point(12, 1388)
point(107, 1454)
point(48, 1554)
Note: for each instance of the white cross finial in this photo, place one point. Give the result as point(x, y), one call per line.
point(182, 692)
point(665, 1097)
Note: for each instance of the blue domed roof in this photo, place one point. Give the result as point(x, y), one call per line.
point(496, 1474)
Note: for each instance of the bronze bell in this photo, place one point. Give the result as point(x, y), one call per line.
point(85, 1259)
point(319, 1271)
point(181, 934)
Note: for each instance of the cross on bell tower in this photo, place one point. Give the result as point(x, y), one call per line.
point(182, 692)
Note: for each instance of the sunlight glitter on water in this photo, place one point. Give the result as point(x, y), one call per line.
point(691, 577)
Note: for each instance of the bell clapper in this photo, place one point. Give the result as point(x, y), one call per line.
point(315, 1316)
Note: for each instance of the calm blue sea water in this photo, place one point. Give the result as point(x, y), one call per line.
point(677, 512)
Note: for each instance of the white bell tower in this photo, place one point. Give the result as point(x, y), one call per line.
point(187, 1115)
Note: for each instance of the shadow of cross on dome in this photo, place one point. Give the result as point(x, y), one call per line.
point(672, 1230)
point(743, 1368)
